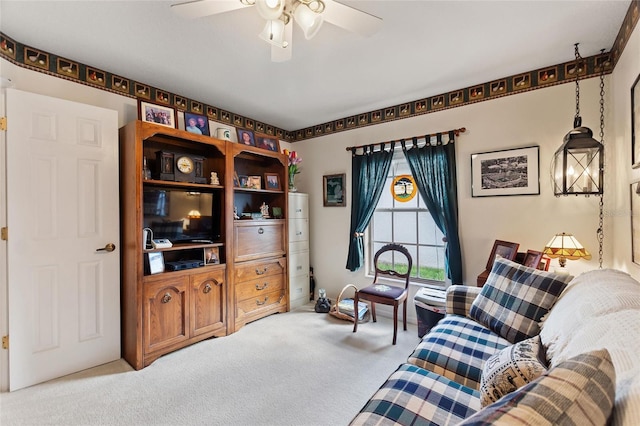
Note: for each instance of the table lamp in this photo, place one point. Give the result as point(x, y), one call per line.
point(565, 246)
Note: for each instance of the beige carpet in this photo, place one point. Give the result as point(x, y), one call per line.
point(298, 368)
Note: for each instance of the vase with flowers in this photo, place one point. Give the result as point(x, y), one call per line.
point(294, 168)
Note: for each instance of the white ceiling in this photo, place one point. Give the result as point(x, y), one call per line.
point(423, 49)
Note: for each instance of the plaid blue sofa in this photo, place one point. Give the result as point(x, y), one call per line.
point(439, 383)
point(473, 368)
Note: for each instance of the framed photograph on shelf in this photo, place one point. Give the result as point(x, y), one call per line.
point(243, 181)
point(158, 114)
point(635, 222)
point(211, 256)
point(270, 143)
point(272, 181)
point(334, 191)
point(156, 262)
point(254, 182)
point(506, 172)
point(635, 123)
point(532, 259)
point(196, 123)
point(246, 137)
point(505, 249)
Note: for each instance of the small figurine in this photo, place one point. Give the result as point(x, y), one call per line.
point(235, 212)
point(264, 209)
point(214, 179)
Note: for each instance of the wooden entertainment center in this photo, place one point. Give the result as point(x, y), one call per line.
point(220, 272)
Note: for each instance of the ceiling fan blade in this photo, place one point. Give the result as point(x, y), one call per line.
point(283, 54)
point(200, 8)
point(351, 19)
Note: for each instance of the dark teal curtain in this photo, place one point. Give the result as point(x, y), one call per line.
point(434, 169)
point(369, 171)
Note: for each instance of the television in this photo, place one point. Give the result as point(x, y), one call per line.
point(182, 216)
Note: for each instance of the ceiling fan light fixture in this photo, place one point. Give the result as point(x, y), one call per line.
point(273, 33)
point(270, 9)
point(308, 20)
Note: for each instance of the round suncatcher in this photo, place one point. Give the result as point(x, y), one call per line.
point(404, 188)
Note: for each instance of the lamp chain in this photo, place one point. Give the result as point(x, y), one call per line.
point(577, 71)
point(601, 215)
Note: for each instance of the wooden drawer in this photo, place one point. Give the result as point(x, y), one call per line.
point(264, 301)
point(298, 230)
point(256, 288)
point(259, 268)
point(257, 239)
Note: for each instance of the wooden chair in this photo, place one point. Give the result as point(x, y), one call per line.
point(384, 293)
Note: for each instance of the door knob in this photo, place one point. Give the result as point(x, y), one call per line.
point(109, 247)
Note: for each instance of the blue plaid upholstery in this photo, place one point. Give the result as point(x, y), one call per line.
point(414, 396)
point(515, 298)
point(460, 298)
point(457, 348)
point(579, 391)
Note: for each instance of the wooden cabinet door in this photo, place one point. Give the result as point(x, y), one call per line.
point(208, 313)
point(259, 239)
point(165, 312)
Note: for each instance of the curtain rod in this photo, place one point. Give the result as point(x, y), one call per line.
point(455, 132)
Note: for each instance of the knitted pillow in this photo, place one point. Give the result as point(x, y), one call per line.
point(578, 391)
point(511, 368)
point(514, 299)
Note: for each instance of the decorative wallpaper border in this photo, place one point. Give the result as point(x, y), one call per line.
point(51, 64)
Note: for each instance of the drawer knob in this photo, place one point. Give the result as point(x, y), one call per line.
point(259, 272)
point(259, 303)
point(259, 287)
point(299, 267)
point(298, 210)
point(299, 233)
point(260, 231)
point(207, 288)
point(166, 298)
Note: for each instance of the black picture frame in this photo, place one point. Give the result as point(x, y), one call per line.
point(201, 123)
point(635, 123)
point(506, 172)
point(334, 190)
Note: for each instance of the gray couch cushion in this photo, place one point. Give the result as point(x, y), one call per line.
point(414, 396)
point(457, 348)
point(515, 298)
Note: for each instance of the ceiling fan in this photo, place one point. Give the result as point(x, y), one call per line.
point(280, 15)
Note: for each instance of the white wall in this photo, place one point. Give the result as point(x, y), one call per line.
point(626, 71)
point(540, 117)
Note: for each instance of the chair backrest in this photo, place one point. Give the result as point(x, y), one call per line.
point(398, 250)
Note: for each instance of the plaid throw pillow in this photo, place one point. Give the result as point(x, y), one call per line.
point(515, 298)
point(579, 391)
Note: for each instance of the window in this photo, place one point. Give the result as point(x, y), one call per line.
point(409, 224)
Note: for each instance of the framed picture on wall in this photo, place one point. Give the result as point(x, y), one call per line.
point(635, 123)
point(333, 190)
point(506, 172)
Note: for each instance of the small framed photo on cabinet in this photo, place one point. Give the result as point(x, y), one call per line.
point(158, 114)
point(156, 262)
point(272, 181)
point(195, 123)
point(211, 256)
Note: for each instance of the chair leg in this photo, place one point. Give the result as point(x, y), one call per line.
point(355, 309)
point(373, 311)
point(404, 314)
point(395, 322)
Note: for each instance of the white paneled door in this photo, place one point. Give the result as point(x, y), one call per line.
point(63, 220)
